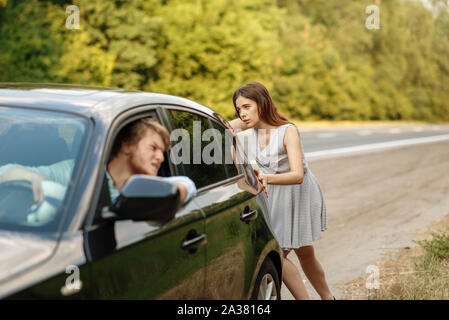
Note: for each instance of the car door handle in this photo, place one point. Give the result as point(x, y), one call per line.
point(248, 215)
point(193, 241)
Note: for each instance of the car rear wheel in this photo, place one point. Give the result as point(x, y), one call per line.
point(268, 286)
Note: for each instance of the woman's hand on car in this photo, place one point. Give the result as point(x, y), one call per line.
point(262, 179)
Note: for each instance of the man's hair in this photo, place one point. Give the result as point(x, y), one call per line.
point(134, 131)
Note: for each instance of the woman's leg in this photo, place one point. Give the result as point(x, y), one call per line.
point(292, 279)
point(314, 271)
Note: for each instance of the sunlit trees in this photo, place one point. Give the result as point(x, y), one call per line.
point(316, 56)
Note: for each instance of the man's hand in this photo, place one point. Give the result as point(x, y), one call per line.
point(186, 187)
point(182, 192)
point(18, 173)
point(262, 179)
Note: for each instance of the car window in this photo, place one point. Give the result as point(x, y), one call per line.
point(227, 145)
point(38, 151)
point(197, 148)
point(244, 165)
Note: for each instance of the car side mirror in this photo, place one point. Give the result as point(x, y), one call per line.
point(144, 198)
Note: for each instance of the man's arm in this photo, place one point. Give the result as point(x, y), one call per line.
point(58, 172)
point(186, 186)
point(182, 191)
point(21, 173)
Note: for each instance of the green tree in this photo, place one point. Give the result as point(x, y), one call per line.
point(115, 43)
point(30, 44)
point(316, 56)
point(207, 49)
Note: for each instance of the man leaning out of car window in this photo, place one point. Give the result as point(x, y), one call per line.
point(138, 149)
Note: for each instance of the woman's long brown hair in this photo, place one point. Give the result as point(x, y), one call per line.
point(266, 108)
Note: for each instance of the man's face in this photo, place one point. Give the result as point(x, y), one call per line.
point(148, 154)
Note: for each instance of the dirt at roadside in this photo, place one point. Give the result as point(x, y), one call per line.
point(392, 265)
point(376, 204)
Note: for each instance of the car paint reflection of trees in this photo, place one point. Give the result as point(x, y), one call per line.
point(153, 264)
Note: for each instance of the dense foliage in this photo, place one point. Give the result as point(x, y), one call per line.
point(317, 57)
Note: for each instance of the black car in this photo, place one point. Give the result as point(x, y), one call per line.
point(76, 245)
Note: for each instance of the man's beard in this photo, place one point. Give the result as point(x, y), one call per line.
point(138, 168)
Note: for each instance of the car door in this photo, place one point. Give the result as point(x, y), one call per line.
point(230, 240)
point(141, 260)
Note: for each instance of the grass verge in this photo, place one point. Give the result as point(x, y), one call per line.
point(417, 273)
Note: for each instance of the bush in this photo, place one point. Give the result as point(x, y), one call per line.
point(437, 247)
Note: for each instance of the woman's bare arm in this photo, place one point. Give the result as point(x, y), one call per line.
point(238, 124)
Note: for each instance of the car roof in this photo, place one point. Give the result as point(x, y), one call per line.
point(92, 101)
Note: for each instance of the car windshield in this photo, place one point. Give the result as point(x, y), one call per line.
point(38, 153)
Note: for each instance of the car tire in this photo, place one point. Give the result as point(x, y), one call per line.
point(267, 286)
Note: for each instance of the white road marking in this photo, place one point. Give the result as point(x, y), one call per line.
point(326, 135)
point(375, 146)
point(394, 131)
point(365, 133)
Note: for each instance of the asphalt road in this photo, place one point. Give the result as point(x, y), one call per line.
point(376, 197)
point(319, 141)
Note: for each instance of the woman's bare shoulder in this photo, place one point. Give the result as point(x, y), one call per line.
point(291, 134)
point(291, 128)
